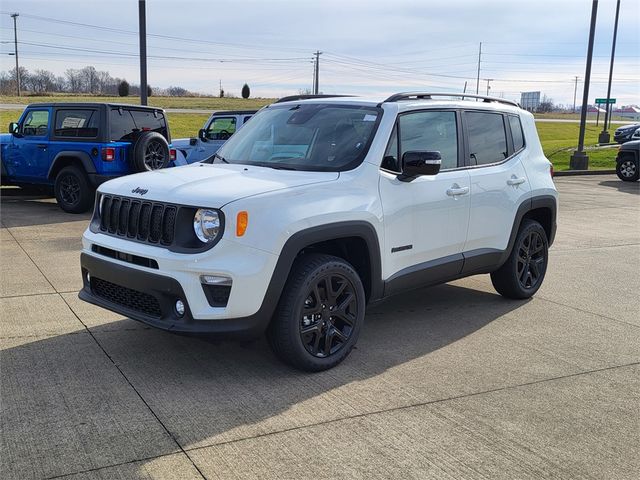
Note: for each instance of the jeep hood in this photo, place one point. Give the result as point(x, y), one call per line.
point(210, 185)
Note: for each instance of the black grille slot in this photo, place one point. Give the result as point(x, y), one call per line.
point(123, 217)
point(143, 222)
point(155, 230)
point(114, 213)
point(168, 225)
point(127, 297)
point(134, 213)
point(105, 213)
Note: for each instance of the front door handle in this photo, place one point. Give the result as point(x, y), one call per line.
point(456, 190)
point(42, 146)
point(513, 181)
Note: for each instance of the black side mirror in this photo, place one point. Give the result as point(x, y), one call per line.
point(202, 134)
point(193, 141)
point(13, 128)
point(418, 163)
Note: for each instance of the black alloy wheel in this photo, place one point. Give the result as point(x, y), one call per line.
point(329, 315)
point(154, 155)
point(73, 192)
point(70, 189)
point(320, 313)
point(627, 170)
point(531, 260)
point(522, 273)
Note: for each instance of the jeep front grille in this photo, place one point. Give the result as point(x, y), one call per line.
point(148, 222)
point(126, 297)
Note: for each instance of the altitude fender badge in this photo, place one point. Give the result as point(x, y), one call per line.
point(139, 190)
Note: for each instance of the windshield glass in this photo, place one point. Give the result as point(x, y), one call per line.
point(311, 136)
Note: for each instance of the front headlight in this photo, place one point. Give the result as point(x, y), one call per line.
point(206, 225)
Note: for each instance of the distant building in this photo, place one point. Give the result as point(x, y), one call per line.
point(530, 100)
point(631, 112)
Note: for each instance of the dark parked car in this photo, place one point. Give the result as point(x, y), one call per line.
point(624, 133)
point(74, 147)
point(627, 161)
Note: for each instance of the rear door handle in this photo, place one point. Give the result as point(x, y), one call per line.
point(455, 190)
point(516, 181)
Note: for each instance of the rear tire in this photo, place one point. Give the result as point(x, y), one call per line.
point(320, 314)
point(627, 170)
point(73, 191)
point(522, 274)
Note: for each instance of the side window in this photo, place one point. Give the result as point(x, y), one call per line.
point(76, 123)
point(221, 128)
point(36, 123)
point(121, 125)
point(487, 137)
point(246, 119)
point(516, 133)
point(391, 160)
point(430, 131)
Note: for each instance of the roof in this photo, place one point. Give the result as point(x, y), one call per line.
point(234, 112)
point(93, 104)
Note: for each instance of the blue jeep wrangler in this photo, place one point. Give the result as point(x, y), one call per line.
point(74, 147)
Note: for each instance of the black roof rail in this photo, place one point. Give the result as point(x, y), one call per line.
point(429, 95)
point(292, 98)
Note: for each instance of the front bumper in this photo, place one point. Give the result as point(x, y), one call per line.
point(151, 298)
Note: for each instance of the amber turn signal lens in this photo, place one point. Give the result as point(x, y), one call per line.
point(242, 223)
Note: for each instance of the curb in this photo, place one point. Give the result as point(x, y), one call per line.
point(571, 173)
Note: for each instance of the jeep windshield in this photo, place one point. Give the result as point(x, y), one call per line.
point(312, 136)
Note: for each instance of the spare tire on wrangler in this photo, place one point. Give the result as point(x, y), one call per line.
point(150, 152)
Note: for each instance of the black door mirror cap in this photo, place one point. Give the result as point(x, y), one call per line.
point(416, 163)
point(202, 134)
point(13, 129)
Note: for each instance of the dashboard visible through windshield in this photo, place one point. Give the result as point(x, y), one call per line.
point(312, 136)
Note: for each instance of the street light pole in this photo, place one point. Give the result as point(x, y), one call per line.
point(15, 43)
point(604, 136)
point(479, 60)
point(142, 19)
point(579, 160)
point(575, 90)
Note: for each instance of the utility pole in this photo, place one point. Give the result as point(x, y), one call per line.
point(478, 78)
point(579, 160)
point(316, 82)
point(15, 44)
point(488, 87)
point(575, 90)
point(604, 136)
point(142, 19)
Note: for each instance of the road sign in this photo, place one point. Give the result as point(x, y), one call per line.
point(600, 101)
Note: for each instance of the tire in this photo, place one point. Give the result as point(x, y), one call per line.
point(522, 274)
point(330, 291)
point(627, 170)
point(150, 152)
point(73, 191)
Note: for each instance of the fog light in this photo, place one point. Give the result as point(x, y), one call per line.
point(179, 308)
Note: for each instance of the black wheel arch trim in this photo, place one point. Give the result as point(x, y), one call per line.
point(82, 157)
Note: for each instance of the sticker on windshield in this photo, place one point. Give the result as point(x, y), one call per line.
point(369, 118)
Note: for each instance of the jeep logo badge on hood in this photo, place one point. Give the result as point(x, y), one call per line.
point(139, 190)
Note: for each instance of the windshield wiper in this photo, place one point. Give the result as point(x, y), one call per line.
point(278, 167)
point(224, 160)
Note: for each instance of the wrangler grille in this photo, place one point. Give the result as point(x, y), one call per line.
point(144, 221)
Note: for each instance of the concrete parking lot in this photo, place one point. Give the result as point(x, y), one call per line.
point(448, 382)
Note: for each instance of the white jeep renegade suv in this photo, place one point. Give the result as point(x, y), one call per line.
point(319, 206)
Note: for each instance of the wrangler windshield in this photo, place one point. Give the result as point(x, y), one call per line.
point(322, 137)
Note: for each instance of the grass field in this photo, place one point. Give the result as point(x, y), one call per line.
point(558, 139)
point(208, 103)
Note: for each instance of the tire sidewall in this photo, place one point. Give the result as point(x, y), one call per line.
point(634, 178)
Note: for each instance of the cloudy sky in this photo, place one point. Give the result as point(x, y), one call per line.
point(369, 47)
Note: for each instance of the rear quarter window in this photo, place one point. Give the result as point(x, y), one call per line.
point(516, 133)
point(121, 125)
point(78, 123)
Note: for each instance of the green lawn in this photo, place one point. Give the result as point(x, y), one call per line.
point(558, 139)
point(208, 103)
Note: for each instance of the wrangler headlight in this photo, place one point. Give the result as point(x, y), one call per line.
point(206, 225)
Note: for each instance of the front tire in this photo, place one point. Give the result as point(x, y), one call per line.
point(320, 314)
point(627, 170)
point(522, 274)
point(73, 191)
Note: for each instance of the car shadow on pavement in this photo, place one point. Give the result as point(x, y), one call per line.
point(626, 187)
point(24, 209)
point(207, 392)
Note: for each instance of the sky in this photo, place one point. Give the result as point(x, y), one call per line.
point(368, 48)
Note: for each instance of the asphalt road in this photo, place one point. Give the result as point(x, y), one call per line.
point(448, 382)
